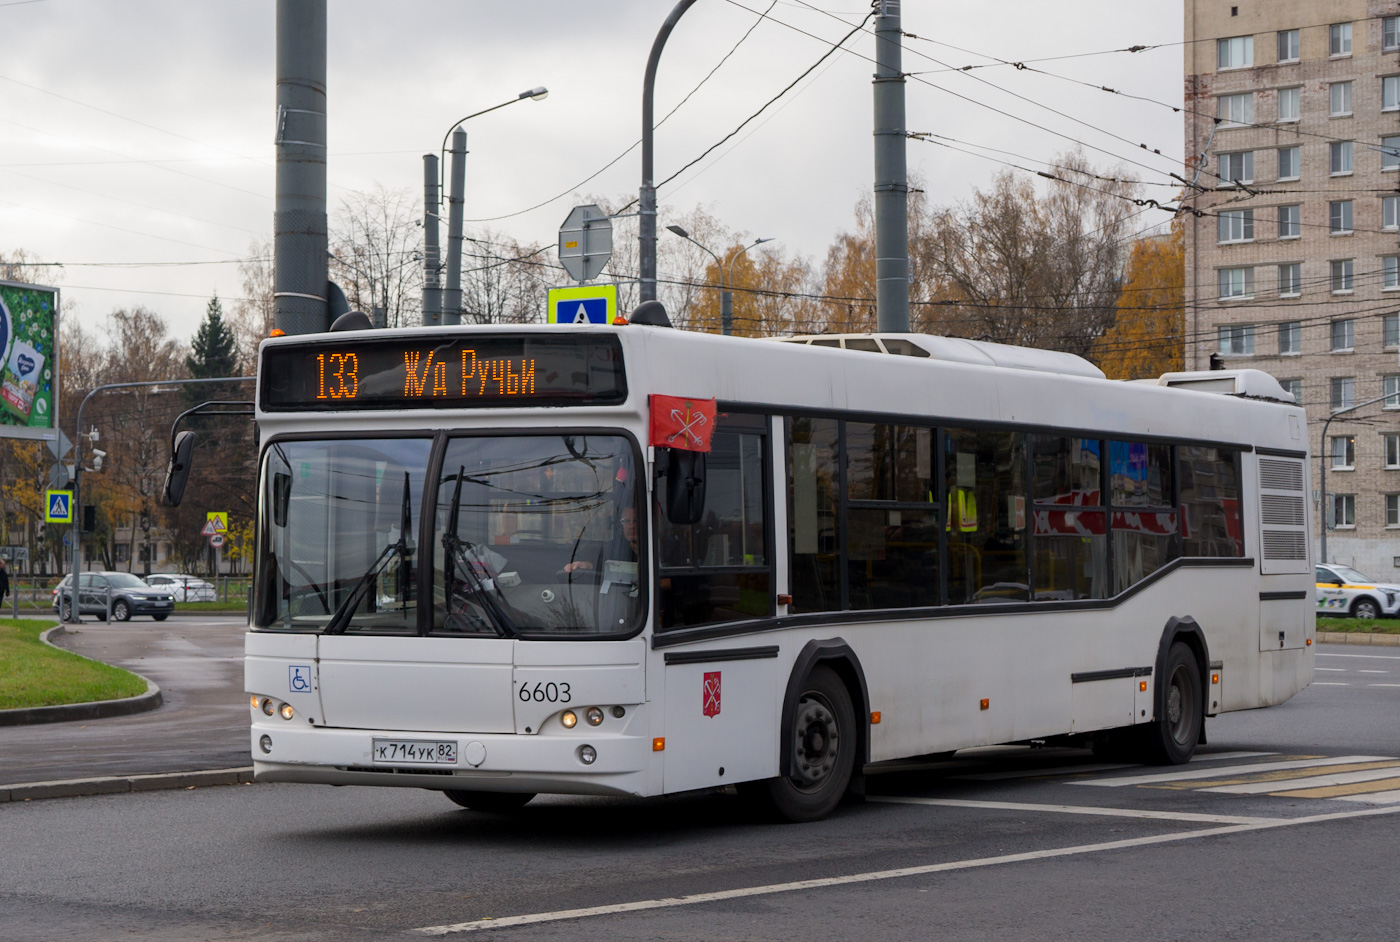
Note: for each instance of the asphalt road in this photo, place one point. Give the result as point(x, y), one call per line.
point(1282, 829)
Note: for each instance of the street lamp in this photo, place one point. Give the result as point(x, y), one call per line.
point(432, 204)
point(1326, 457)
point(726, 296)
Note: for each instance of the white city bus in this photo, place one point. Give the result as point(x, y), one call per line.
point(477, 574)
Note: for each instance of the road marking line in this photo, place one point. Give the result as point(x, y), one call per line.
point(1076, 809)
point(507, 922)
point(1383, 685)
point(1339, 670)
point(1189, 774)
point(1360, 670)
point(1383, 786)
point(1310, 781)
point(1378, 798)
point(1095, 767)
point(1378, 657)
point(1275, 777)
point(1325, 683)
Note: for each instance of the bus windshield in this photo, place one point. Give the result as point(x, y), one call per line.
point(337, 547)
point(538, 536)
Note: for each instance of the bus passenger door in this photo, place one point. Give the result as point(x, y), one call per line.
point(721, 719)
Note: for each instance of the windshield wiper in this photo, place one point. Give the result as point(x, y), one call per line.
point(403, 549)
point(456, 549)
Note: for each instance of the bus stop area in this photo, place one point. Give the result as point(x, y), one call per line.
point(201, 725)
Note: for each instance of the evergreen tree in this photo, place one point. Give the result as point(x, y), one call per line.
point(214, 351)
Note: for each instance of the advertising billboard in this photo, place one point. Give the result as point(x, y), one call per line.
point(28, 361)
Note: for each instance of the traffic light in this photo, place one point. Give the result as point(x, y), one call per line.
point(39, 532)
point(89, 517)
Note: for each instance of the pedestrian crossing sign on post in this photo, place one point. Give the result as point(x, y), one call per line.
point(215, 522)
point(58, 506)
point(585, 304)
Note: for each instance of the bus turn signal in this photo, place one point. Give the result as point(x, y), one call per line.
point(658, 744)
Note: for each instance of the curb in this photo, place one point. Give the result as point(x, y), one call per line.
point(1357, 637)
point(121, 784)
point(93, 710)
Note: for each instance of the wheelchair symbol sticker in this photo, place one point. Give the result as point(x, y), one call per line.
point(299, 678)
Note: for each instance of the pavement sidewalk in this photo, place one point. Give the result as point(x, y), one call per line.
point(196, 660)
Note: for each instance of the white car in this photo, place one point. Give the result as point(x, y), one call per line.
point(185, 588)
point(1342, 590)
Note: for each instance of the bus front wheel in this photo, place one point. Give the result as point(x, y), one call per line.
point(489, 801)
point(821, 747)
point(1171, 738)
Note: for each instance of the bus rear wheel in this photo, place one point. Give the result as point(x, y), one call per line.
point(497, 802)
point(1171, 738)
point(821, 747)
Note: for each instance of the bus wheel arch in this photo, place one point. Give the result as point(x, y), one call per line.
point(1183, 631)
point(818, 665)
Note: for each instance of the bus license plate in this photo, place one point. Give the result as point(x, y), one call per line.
point(414, 752)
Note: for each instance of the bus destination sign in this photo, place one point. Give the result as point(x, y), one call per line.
point(437, 373)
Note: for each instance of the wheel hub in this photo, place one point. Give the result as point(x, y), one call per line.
point(816, 742)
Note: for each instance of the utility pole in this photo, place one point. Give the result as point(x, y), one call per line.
point(299, 275)
point(452, 298)
point(432, 293)
point(891, 175)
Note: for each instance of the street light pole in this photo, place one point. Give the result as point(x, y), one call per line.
point(444, 305)
point(646, 198)
point(726, 296)
point(1326, 456)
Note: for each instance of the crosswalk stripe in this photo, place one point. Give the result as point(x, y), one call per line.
point(1375, 798)
point(1096, 767)
point(1272, 779)
point(1072, 809)
point(1382, 786)
point(1188, 774)
point(1308, 782)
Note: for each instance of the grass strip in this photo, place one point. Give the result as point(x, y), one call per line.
point(230, 606)
point(1386, 626)
point(33, 674)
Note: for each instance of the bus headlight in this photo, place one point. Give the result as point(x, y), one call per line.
point(594, 716)
point(569, 719)
point(265, 744)
point(256, 701)
point(587, 755)
point(268, 707)
point(287, 711)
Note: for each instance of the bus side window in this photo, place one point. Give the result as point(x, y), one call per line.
point(814, 536)
point(986, 516)
point(892, 515)
point(1210, 501)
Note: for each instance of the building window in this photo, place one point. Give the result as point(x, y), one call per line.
point(1294, 387)
point(1289, 104)
point(1342, 273)
point(1339, 217)
point(1390, 388)
point(1343, 511)
point(1290, 163)
point(1390, 330)
point(1236, 283)
point(1237, 168)
point(1343, 452)
point(1238, 109)
point(1289, 46)
point(1390, 272)
point(1290, 285)
point(1390, 153)
point(1343, 393)
point(1237, 340)
point(1236, 226)
point(1392, 451)
point(1390, 212)
point(1390, 32)
point(1390, 93)
point(1392, 510)
point(1290, 336)
point(1340, 99)
point(1339, 39)
point(1290, 221)
point(1341, 157)
point(1343, 335)
point(1235, 53)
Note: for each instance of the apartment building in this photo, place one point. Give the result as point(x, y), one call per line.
point(1293, 266)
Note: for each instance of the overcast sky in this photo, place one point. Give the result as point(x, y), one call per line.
point(141, 131)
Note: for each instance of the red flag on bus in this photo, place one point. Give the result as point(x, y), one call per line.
point(680, 422)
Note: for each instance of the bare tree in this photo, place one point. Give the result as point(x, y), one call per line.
point(376, 253)
point(255, 313)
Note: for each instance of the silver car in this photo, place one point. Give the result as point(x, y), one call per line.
point(185, 588)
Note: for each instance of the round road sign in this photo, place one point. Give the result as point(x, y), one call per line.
point(216, 540)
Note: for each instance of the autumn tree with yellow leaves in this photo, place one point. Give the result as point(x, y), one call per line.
point(1148, 335)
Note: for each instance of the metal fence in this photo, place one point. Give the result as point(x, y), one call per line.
point(31, 596)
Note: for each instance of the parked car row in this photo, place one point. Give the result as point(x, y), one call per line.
point(155, 595)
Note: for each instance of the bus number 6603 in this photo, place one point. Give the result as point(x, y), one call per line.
point(545, 693)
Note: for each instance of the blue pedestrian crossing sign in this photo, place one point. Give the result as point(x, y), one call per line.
point(58, 506)
point(585, 304)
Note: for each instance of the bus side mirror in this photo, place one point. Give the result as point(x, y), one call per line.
point(177, 472)
point(281, 497)
point(685, 484)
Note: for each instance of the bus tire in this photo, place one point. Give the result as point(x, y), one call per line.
point(1171, 738)
point(822, 746)
point(495, 802)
